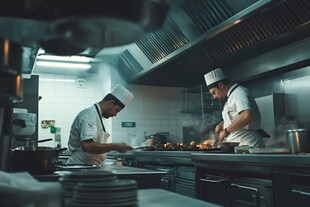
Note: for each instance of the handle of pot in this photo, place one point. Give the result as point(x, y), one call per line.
point(59, 150)
point(44, 140)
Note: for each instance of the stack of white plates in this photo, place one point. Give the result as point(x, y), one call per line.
point(116, 193)
point(69, 181)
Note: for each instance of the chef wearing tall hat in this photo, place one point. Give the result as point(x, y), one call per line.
point(241, 116)
point(88, 137)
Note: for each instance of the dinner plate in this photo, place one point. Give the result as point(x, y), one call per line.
point(106, 195)
point(112, 185)
point(77, 167)
point(89, 174)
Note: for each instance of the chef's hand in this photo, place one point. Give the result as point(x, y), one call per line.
point(223, 134)
point(122, 147)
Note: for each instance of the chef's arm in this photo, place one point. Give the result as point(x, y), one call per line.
point(241, 121)
point(219, 127)
point(97, 148)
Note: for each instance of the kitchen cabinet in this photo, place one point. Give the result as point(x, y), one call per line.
point(214, 188)
point(279, 180)
point(185, 181)
point(300, 191)
point(251, 192)
point(228, 188)
point(180, 176)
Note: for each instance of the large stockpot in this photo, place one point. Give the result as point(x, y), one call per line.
point(298, 140)
point(35, 160)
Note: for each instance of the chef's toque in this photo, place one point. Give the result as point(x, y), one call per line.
point(122, 94)
point(214, 77)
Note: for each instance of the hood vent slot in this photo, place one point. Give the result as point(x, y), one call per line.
point(163, 41)
point(207, 14)
point(131, 62)
point(271, 24)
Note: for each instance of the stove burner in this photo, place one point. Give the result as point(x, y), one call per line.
point(170, 147)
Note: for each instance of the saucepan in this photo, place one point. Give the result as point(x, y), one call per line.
point(298, 140)
point(35, 160)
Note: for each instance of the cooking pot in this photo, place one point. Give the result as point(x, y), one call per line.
point(35, 160)
point(298, 140)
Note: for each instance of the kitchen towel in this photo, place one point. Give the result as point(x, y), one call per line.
point(21, 189)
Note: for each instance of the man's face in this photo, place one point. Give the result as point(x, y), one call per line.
point(218, 92)
point(111, 111)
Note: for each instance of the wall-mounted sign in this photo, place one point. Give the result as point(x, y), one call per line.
point(47, 123)
point(128, 124)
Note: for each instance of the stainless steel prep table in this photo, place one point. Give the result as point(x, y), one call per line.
point(163, 198)
point(288, 163)
point(144, 177)
point(287, 175)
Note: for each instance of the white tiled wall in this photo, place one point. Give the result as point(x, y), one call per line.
point(153, 109)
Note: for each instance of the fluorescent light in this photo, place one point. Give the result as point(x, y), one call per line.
point(64, 65)
point(57, 80)
point(65, 58)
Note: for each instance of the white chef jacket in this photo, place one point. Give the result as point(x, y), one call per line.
point(86, 125)
point(239, 99)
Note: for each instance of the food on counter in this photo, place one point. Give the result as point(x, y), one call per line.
point(207, 144)
point(192, 143)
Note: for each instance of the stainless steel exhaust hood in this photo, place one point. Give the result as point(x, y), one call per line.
point(199, 35)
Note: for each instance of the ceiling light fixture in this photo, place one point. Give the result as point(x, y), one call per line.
point(64, 65)
point(57, 80)
point(82, 59)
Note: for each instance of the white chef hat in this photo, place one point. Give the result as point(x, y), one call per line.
point(214, 77)
point(122, 94)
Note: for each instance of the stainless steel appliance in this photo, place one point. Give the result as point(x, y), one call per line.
point(251, 192)
point(235, 189)
point(300, 191)
point(215, 188)
point(185, 181)
point(167, 181)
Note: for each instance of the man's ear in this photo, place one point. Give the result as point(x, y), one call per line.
point(221, 85)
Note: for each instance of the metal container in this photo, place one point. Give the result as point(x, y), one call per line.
point(35, 160)
point(298, 140)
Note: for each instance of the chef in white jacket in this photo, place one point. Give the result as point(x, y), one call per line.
point(241, 116)
point(88, 137)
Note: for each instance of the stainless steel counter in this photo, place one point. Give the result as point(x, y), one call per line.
point(182, 157)
point(163, 198)
point(264, 163)
point(144, 177)
point(123, 170)
point(289, 160)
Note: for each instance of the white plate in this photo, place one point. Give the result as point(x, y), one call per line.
point(269, 150)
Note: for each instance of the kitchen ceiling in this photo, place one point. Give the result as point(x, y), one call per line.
point(77, 26)
point(200, 35)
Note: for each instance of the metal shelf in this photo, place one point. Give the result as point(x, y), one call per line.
point(198, 100)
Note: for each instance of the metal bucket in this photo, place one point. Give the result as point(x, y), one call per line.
point(298, 140)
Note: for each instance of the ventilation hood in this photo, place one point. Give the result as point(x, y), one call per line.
point(199, 35)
